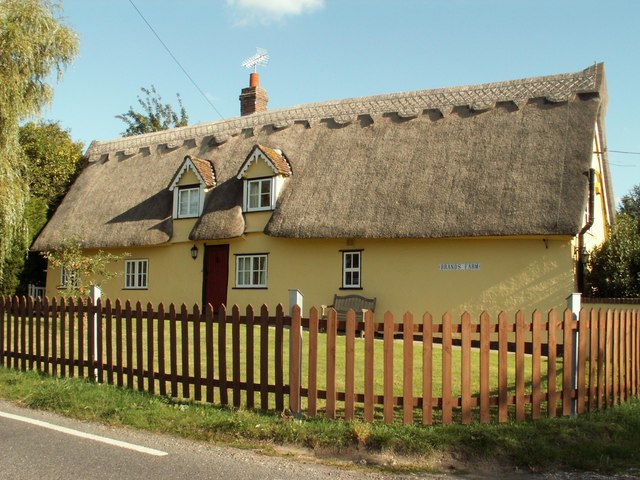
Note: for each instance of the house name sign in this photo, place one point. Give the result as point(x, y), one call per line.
point(455, 267)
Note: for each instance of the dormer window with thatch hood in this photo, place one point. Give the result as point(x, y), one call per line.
point(264, 173)
point(192, 181)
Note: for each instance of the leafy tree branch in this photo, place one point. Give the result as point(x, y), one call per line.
point(82, 271)
point(155, 115)
point(34, 45)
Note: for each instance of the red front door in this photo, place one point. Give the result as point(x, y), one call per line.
point(216, 275)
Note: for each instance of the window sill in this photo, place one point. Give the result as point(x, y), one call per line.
point(135, 288)
point(250, 288)
point(351, 288)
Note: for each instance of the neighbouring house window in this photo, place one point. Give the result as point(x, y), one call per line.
point(68, 277)
point(251, 271)
point(351, 269)
point(136, 273)
point(188, 202)
point(258, 194)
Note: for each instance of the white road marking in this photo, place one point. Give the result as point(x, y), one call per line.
point(88, 436)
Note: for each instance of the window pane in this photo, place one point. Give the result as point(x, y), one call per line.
point(188, 202)
point(254, 194)
point(254, 188)
point(243, 264)
point(265, 197)
point(351, 269)
point(193, 202)
point(182, 208)
point(251, 271)
point(136, 273)
point(258, 194)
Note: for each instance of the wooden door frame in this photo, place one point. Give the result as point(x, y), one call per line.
point(205, 271)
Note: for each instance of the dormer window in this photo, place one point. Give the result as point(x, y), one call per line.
point(259, 194)
point(188, 202)
point(264, 173)
point(192, 181)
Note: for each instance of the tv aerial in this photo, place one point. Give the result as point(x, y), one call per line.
point(260, 58)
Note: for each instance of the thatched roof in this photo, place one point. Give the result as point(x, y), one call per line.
point(505, 158)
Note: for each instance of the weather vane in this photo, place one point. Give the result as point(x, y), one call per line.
point(260, 58)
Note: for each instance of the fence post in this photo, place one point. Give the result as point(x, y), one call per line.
point(95, 292)
point(574, 304)
point(296, 298)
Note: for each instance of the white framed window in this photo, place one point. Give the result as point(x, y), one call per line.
point(188, 202)
point(251, 271)
point(259, 194)
point(136, 273)
point(352, 269)
point(68, 277)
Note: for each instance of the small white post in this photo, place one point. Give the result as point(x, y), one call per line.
point(96, 293)
point(574, 303)
point(296, 298)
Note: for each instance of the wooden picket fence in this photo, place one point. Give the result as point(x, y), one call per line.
point(589, 363)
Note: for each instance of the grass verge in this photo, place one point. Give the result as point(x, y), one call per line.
point(604, 441)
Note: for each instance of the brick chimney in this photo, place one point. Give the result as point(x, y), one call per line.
point(253, 99)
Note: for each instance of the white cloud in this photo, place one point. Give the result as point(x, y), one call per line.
point(268, 11)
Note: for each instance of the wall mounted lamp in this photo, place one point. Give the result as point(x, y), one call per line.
point(194, 252)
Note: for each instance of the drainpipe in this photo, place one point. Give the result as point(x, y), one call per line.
point(587, 226)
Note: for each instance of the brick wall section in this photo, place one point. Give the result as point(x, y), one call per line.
point(253, 100)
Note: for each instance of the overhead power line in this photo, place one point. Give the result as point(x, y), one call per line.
point(176, 60)
point(622, 151)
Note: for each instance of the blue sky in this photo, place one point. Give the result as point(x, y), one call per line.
point(330, 49)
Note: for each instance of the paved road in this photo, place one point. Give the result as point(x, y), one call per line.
point(37, 452)
point(43, 446)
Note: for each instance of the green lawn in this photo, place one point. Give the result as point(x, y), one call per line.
point(340, 363)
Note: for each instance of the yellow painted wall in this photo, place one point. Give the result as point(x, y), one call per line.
point(254, 222)
point(173, 275)
point(599, 231)
point(181, 229)
point(402, 274)
point(259, 169)
point(188, 178)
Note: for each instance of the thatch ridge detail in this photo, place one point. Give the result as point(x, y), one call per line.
point(444, 98)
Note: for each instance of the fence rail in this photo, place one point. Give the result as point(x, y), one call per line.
point(425, 371)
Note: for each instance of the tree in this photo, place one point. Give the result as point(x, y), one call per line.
point(20, 269)
point(614, 266)
point(52, 160)
point(157, 115)
point(630, 203)
point(81, 270)
point(33, 45)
